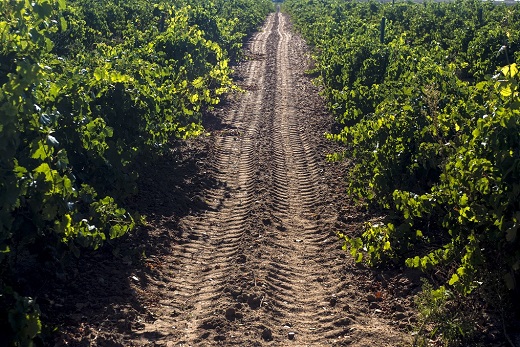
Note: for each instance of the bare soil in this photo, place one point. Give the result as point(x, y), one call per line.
point(240, 247)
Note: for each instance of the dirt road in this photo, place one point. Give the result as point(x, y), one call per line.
point(254, 261)
point(259, 265)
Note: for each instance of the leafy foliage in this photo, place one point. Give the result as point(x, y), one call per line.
point(430, 118)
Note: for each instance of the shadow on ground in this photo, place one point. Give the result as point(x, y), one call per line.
point(103, 290)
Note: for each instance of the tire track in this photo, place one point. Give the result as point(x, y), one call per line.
point(260, 266)
point(298, 267)
point(186, 314)
point(304, 276)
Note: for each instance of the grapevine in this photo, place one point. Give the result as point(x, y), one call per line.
point(85, 89)
point(429, 114)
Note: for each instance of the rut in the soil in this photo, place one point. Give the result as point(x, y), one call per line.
point(259, 265)
point(294, 273)
point(203, 263)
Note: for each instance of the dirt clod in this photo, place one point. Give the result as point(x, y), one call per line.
point(374, 305)
point(373, 298)
point(333, 301)
point(254, 301)
point(219, 337)
point(400, 316)
point(231, 314)
point(267, 334)
point(398, 308)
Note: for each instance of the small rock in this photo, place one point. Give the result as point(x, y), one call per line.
point(267, 334)
point(291, 335)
